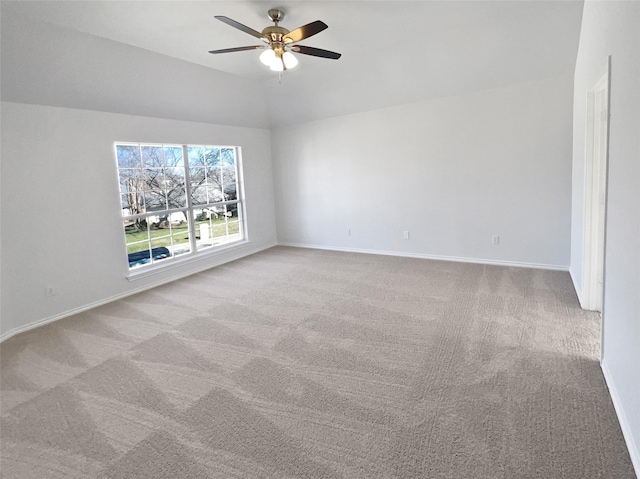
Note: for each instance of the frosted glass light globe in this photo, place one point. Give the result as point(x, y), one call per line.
point(277, 65)
point(289, 59)
point(267, 57)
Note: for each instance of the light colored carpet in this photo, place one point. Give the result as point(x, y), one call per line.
point(306, 363)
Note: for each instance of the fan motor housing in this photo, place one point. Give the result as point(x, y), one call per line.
point(275, 33)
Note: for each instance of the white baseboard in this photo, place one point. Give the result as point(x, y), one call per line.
point(27, 327)
point(457, 259)
point(634, 452)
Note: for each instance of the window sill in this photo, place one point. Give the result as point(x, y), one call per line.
point(179, 262)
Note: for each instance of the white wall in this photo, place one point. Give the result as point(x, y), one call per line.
point(452, 172)
point(65, 149)
point(612, 28)
point(48, 65)
point(61, 218)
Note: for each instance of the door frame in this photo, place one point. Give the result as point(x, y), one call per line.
point(595, 192)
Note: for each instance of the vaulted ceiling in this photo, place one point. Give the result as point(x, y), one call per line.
point(393, 52)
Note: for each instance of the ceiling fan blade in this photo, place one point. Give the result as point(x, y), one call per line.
point(239, 26)
point(238, 49)
point(305, 31)
point(316, 52)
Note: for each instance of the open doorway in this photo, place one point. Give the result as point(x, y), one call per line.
point(597, 136)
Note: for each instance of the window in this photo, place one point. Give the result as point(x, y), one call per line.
point(178, 200)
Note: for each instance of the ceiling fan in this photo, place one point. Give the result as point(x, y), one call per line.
point(279, 42)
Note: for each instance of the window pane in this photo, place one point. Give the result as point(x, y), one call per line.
point(195, 155)
point(130, 180)
point(227, 231)
point(215, 195)
point(216, 226)
point(229, 177)
point(153, 178)
point(152, 157)
point(132, 204)
point(204, 235)
point(212, 156)
point(181, 244)
point(202, 222)
point(137, 237)
point(160, 226)
point(214, 176)
point(230, 192)
point(175, 187)
point(226, 228)
point(155, 200)
point(197, 176)
point(177, 197)
point(136, 231)
point(229, 180)
point(179, 223)
point(152, 219)
point(128, 156)
point(139, 258)
point(199, 195)
point(233, 211)
point(174, 175)
point(228, 156)
point(173, 156)
point(201, 214)
point(160, 249)
point(164, 240)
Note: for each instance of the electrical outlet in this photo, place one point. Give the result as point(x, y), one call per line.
point(405, 234)
point(348, 231)
point(495, 240)
point(50, 291)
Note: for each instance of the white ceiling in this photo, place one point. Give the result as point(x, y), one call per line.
point(394, 52)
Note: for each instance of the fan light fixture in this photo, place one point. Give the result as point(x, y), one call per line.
point(280, 42)
point(278, 60)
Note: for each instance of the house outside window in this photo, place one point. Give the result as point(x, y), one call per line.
point(178, 200)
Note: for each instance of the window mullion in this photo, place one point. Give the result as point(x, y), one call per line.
point(187, 188)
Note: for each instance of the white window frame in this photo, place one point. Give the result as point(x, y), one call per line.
point(189, 211)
